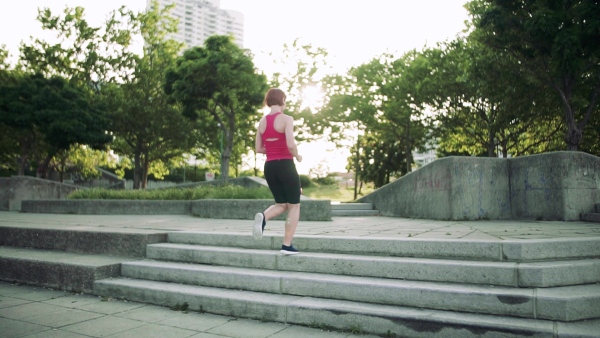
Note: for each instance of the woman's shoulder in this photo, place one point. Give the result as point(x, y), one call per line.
point(287, 117)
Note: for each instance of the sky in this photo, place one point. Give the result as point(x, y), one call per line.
point(352, 31)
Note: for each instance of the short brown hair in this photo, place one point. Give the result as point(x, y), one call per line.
point(275, 96)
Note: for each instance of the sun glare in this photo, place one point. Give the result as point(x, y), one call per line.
point(312, 98)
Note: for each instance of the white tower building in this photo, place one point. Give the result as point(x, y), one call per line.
point(199, 19)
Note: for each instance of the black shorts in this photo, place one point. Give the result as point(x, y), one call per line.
point(283, 180)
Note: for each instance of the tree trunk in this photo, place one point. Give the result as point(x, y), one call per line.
point(137, 165)
point(408, 148)
point(574, 131)
point(25, 150)
point(356, 167)
point(42, 170)
point(573, 138)
point(146, 168)
point(21, 162)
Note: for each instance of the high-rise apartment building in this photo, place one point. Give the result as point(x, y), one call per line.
point(199, 19)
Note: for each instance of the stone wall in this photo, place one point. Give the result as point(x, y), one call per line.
point(550, 186)
point(15, 189)
point(554, 186)
point(315, 210)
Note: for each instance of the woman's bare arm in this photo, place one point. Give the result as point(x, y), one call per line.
point(259, 147)
point(289, 138)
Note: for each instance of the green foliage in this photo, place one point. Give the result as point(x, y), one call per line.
point(201, 192)
point(306, 66)
point(556, 42)
point(221, 92)
point(148, 128)
point(483, 101)
point(50, 116)
point(81, 162)
point(88, 56)
point(305, 181)
point(327, 180)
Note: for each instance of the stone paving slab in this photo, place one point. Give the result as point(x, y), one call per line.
point(373, 226)
point(72, 315)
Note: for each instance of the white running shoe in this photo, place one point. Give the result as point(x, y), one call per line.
point(259, 225)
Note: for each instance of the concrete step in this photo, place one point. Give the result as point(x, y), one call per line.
point(110, 241)
point(564, 303)
point(354, 213)
point(588, 217)
point(479, 250)
point(352, 206)
point(55, 269)
point(513, 274)
point(390, 321)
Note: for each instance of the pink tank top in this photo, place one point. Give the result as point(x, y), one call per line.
point(278, 149)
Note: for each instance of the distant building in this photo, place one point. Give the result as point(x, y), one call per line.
point(425, 158)
point(199, 19)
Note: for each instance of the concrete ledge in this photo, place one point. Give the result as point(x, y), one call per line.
point(479, 250)
point(130, 243)
point(517, 302)
point(550, 249)
point(107, 207)
point(554, 186)
point(15, 189)
point(436, 270)
point(550, 186)
point(569, 303)
point(58, 270)
point(315, 210)
point(408, 247)
point(451, 188)
point(311, 210)
point(453, 297)
point(369, 318)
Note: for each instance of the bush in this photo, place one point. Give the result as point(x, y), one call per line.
point(328, 180)
point(305, 181)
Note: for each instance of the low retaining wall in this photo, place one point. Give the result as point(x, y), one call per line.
point(457, 188)
point(107, 207)
point(314, 210)
point(554, 186)
point(550, 186)
point(310, 210)
point(15, 189)
point(122, 243)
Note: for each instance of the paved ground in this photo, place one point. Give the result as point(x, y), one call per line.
point(27, 311)
point(371, 227)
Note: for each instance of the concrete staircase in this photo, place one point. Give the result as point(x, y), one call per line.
point(353, 209)
point(389, 287)
point(592, 216)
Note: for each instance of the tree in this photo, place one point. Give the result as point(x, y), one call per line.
point(147, 127)
point(302, 70)
point(88, 58)
point(50, 113)
point(403, 107)
point(557, 42)
point(218, 87)
point(482, 100)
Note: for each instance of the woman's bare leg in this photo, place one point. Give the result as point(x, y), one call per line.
point(291, 223)
point(275, 210)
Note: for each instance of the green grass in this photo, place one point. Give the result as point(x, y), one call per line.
point(202, 192)
point(335, 193)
